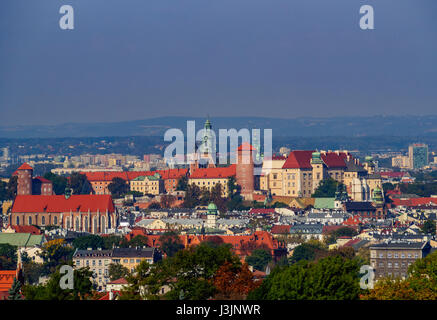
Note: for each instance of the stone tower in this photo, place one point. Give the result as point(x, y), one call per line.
point(318, 173)
point(24, 181)
point(211, 218)
point(244, 170)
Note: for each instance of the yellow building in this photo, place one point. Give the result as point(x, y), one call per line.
point(148, 184)
point(209, 177)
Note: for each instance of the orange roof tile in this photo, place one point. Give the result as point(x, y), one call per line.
point(25, 166)
point(212, 173)
point(58, 203)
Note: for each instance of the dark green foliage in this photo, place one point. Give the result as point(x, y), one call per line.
point(118, 187)
point(15, 291)
point(331, 278)
point(422, 189)
point(138, 241)
point(8, 257)
point(182, 184)
point(59, 182)
point(170, 243)
point(429, 227)
point(259, 259)
point(79, 183)
point(306, 251)
point(326, 188)
point(341, 232)
point(194, 268)
point(89, 241)
point(117, 271)
point(112, 241)
point(52, 290)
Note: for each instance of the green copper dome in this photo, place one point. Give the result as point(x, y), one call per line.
point(212, 208)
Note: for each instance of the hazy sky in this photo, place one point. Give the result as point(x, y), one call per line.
point(135, 59)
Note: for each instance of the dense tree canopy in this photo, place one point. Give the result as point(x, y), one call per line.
point(331, 278)
point(59, 182)
point(326, 188)
point(170, 243)
point(118, 187)
point(259, 259)
point(79, 183)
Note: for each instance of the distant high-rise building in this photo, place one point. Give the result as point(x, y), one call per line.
point(418, 155)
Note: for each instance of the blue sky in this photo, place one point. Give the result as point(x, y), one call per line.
point(135, 59)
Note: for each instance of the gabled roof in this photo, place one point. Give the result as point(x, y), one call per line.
point(214, 173)
point(298, 159)
point(58, 203)
point(26, 229)
point(301, 159)
point(43, 180)
point(25, 166)
point(119, 281)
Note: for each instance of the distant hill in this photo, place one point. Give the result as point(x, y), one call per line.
point(303, 127)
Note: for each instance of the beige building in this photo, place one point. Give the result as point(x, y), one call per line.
point(148, 184)
point(402, 162)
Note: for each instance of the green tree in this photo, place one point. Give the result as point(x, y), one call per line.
point(192, 196)
point(259, 259)
point(194, 269)
point(182, 184)
point(118, 187)
point(331, 278)
point(59, 182)
point(8, 257)
point(89, 241)
point(12, 188)
point(3, 191)
point(326, 188)
point(82, 287)
point(170, 243)
point(117, 271)
point(235, 200)
point(55, 253)
point(429, 227)
point(112, 241)
point(138, 241)
point(79, 183)
point(307, 251)
point(15, 291)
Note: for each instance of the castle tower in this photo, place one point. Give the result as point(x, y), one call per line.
point(211, 218)
point(24, 181)
point(207, 148)
point(318, 173)
point(244, 170)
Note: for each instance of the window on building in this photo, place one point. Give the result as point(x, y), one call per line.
point(30, 220)
point(43, 220)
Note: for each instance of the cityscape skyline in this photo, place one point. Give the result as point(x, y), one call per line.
point(144, 60)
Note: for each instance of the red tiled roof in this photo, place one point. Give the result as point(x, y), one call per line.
point(298, 159)
point(246, 147)
point(212, 173)
point(130, 175)
point(388, 174)
point(27, 229)
point(334, 160)
point(58, 203)
point(302, 159)
point(415, 202)
point(106, 296)
point(280, 229)
point(6, 279)
point(261, 211)
point(25, 166)
point(43, 180)
point(119, 281)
